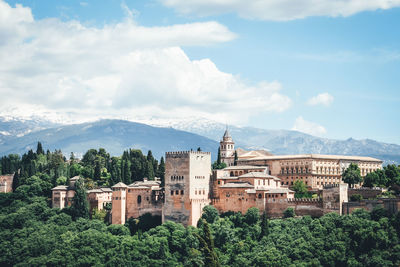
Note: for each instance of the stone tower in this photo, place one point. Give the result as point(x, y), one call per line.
point(119, 203)
point(187, 184)
point(227, 149)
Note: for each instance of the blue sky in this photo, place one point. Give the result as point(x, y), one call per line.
point(250, 66)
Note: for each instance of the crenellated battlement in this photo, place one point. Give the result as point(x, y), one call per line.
point(175, 154)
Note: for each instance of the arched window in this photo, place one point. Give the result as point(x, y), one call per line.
point(139, 199)
point(259, 196)
point(232, 174)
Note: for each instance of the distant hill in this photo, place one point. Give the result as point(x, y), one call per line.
point(176, 134)
point(113, 135)
point(286, 141)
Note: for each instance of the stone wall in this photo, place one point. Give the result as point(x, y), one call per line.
point(392, 205)
point(6, 182)
point(141, 201)
point(302, 207)
point(366, 193)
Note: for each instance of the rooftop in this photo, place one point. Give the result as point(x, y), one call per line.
point(237, 185)
point(314, 156)
point(119, 185)
point(259, 175)
point(60, 187)
point(245, 167)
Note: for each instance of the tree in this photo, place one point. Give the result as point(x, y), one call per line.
point(252, 216)
point(39, 149)
point(288, 213)
point(264, 225)
point(210, 214)
point(80, 205)
point(392, 172)
point(235, 159)
point(352, 175)
point(16, 181)
point(207, 246)
point(219, 156)
point(161, 171)
point(300, 189)
point(371, 179)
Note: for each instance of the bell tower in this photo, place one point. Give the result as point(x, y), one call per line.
point(227, 148)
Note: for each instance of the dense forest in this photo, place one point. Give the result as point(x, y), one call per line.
point(33, 234)
point(96, 167)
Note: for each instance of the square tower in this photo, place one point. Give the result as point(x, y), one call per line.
point(118, 213)
point(187, 186)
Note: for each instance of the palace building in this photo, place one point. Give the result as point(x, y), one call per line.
point(254, 179)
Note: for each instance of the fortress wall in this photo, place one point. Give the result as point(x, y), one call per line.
point(366, 193)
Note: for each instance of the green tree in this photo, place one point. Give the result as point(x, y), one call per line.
point(252, 216)
point(39, 149)
point(300, 189)
point(371, 179)
point(210, 214)
point(352, 175)
point(235, 158)
point(161, 171)
point(264, 225)
point(80, 205)
point(207, 246)
point(288, 213)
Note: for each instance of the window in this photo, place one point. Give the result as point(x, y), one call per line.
point(139, 199)
point(259, 196)
point(219, 182)
point(177, 192)
point(181, 192)
point(172, 192)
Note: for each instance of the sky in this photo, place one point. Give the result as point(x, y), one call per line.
point(330, 68)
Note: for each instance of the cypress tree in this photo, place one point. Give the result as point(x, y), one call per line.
point(207, 246)
point(15, 183)
point(219, 156)
point(80, 204)
point(39, 149)
point(264, 225)
point(161, 171)
point(236, 159)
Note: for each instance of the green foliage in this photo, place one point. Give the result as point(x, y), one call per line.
point(301, 190)
point(80, 204)
point(356, 197)
point(352, 175)
point(210, 214)
point(235, 158)
point(218, 164)
point(288, 213)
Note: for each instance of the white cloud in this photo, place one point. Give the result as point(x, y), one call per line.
point(121, 71)
point(322, 99)
point(308, 127)
point(279, 10)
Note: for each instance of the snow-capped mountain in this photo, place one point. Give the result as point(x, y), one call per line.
point(13, 129)
point(283, 141)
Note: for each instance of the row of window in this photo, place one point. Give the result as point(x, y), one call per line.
point(291, 183)
point(200, 177)
point(176, 192)
point(177, 177)
point(200, 192)
point(294, 170)
point(227, 147)
point(118, 198)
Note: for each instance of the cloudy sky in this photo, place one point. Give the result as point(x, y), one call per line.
point(330, 68)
